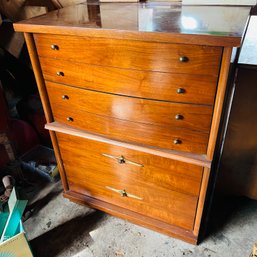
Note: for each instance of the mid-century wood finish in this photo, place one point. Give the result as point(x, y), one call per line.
point(160, 136)
point(187, 157)
point(175, 183)
point(130, 117)
point(133, 110)
point(128, 54)
point(158, 171)
point(199, 89)
point(168, 114)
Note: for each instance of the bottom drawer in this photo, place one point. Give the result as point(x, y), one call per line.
point(154, 186)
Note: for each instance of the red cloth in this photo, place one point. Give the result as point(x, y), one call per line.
point(23, 136)
point(20, 134)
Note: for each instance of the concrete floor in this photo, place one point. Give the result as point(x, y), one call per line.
point(59, 228)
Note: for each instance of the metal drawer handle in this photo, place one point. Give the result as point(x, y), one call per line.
point(60, 73)
point(183, 59)
point(179, 117)
point(54, 47)
point(124, 193)
point(65, 97)
point(70, 119)
point(122, 160)
point(177, 141)
point(181, 90)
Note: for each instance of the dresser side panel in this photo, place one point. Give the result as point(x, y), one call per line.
point(224, 71)
point(45, 102)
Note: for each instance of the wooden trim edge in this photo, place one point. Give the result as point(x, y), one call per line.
point(201, 201)
point(162, 37)
point(45, 101)
point(199, 160)
point(225, 66)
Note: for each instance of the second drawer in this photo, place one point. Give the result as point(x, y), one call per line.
point(174, 115)
point(198, 89)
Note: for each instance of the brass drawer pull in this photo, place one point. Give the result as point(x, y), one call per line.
point(65, 97)
point(60, 73)
point(183, 59)
point(179, 117)
point(123, 193)
point(121, 160)
point(54, 47)
point(70, 119)
point(177, 141)
point(181, 90)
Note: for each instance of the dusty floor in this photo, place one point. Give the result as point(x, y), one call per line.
point(58, 227)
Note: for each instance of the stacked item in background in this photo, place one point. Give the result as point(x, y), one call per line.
point(13, 241)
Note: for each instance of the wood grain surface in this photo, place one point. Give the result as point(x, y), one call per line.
point(135, 132)
point(192, 158)
point(171, 115)
point(148, 56)
point(45, 101)
point(201, 201)
point(161, 195)
point(198, 89)
point(222, 85)
point(130, 131)
point(167, 173)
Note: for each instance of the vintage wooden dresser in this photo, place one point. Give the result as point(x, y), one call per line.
point(133, 95)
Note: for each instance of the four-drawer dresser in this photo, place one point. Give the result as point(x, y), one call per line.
point(133, 96)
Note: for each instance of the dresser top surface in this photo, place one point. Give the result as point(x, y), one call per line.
point(162, 21)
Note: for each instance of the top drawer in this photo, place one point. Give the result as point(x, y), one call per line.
point(150, 56)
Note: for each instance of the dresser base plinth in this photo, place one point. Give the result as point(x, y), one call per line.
point(133, 217)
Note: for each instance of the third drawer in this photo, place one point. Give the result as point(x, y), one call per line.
point(174, 126)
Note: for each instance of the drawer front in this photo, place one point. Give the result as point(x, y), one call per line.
point(147, 84)
point(195, 117)
point(150, 56)
point(155, 186)
point(135, 132)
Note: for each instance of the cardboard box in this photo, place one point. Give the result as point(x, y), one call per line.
point(17, 246)
point(13, 242)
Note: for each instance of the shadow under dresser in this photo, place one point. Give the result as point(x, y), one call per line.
point(133, 95)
